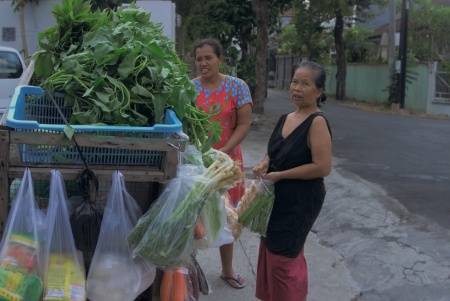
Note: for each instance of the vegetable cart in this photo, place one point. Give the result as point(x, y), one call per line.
point(43, 150)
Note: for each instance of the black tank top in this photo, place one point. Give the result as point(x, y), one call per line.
point(297, 202)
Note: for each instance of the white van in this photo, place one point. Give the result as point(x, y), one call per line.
point(12, 68)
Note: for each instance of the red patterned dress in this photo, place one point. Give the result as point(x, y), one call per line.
point(234, 93)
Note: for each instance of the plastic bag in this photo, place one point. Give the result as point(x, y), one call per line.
point(22, 247)
point(213, 217)
point(86, 220)
point(232, 217)
point(64, 273)
point(256, 204)
point(203, 285)
point(164, 234)
point(114, 275)
point(176, 284)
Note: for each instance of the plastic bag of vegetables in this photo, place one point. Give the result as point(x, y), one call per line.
point(114, 275)
point(164, 235)
point(256, 205)
point(64, 272)
point(21, 247)
point(214, 222)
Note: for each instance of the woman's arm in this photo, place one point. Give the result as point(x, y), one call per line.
point(320, 145)
point(243, 122)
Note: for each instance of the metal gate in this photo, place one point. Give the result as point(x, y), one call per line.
point(442, 87)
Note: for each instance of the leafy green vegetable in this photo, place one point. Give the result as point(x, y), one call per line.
point(256, 213)
point(117, 68)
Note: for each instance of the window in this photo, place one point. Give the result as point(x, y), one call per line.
point(8, 34)
point(10, 65)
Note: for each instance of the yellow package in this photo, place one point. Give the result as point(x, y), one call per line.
point(66, 280)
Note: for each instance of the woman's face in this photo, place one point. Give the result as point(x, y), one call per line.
point(303, 89)
point(206, 61)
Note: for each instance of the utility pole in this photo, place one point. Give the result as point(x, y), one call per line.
point(391, 50)
point(402, 55)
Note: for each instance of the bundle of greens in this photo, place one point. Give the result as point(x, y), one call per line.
point(117, 68)
point(164, 235)
point(255, 207)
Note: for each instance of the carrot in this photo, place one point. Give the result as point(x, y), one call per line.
point(180, 290)
point(199, 230)
point(166, 289)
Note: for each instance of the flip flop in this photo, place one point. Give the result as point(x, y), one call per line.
point(237, 280)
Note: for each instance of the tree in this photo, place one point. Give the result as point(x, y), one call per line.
point(309, 38)
point(19, 5)
point(266, 13)
point(357, 44)
point(428, 31)
point(345, 13)
point(261, 10)
point(229, 21)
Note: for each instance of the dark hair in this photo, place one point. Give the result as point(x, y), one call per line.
point(320, 77)
point(211, 42)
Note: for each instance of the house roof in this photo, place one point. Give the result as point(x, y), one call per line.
point(385, 28)
point(380, 24)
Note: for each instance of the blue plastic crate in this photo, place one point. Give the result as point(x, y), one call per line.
point(31, 111)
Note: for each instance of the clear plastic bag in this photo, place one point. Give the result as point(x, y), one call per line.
point(64, 272)
point(213, 217)
point(21, 250)
point(255, 207)
point(165, 233)
point(176, 284)
point(114, 274)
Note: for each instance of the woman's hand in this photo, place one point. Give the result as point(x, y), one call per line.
point(272, 177)
point(261, 168)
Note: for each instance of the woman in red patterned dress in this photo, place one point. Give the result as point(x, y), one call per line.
point(217, 90)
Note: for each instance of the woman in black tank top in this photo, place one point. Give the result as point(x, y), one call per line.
point(298, 157)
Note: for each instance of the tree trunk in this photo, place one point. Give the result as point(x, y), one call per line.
point(341, 62)
point(22, 31)
point(261, 10)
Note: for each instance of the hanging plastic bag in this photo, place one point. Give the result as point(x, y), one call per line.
point(86, 220)
point(114, 275)
point(64, 273)
point(232, 217)
point(256, 204)
point(213, 219)
point(176, 285)
point(22, 247)
point(165, 234)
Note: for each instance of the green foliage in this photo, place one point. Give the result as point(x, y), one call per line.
point(226, 20)
point(428, 29)
point(306, 35)
point(445, 64)
point(357, 45)
point(289, 41)
point(410, 78)
point(246, 70)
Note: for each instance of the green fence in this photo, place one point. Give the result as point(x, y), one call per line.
point(368, 82)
